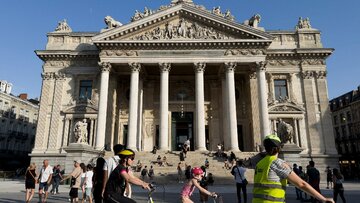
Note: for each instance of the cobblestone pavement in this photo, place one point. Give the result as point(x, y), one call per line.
point(13, 192)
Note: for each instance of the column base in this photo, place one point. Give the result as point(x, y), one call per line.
point(202, 149)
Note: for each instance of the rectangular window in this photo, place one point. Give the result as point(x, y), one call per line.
point(280, 89)
point(85, 89)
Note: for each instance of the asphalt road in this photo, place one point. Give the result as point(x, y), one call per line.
point(13, 192)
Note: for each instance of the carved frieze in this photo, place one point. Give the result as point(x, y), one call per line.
point(105, 53)
point(60, 76)
point(283, 62)
point(182, 30)
point(57, 64)
point(313, 62)
point(244, 52)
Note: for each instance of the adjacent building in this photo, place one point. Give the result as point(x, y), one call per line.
point(346, 121)
point(184, 72)
point(18, 120)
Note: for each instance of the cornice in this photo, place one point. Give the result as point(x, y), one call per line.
point(61, 55)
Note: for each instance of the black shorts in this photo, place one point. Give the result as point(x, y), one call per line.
point(118, 198)
point(74, 193)
point(43, 186)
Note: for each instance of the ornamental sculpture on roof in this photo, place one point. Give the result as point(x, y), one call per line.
point(253, 21)
point(138, 15)
point(182, 30)
point(111, 23)
point(174, 2)
point(303, 23)
point(63, 27)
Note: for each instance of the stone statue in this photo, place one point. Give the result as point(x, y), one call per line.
point(81, 132)
point(174, 2)
point(137, 16)
point(303, 23)
point(111, 23)
point(285, 132)
point(253, 21)
point(63, 27)
point(229, 16)
point(217, 11)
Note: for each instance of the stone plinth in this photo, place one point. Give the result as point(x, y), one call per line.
point(291, 154)
point(83, 152)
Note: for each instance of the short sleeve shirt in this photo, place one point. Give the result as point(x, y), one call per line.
point(239, 173)
point(279, 170)
point(76, 173)
point(111, 164)
point(89, 176)
point(45, 173)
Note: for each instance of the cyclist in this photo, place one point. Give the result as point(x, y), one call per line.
point(189, 187)
point(119, 178)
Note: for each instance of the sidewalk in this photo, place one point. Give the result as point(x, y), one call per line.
point(14, 191)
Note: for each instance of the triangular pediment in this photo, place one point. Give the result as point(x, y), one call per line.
point(183, 22)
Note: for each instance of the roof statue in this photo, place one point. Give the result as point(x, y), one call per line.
point(253, 21)
point(111, 23)
point(63, 27)
point(174, 2)
point(303, 23)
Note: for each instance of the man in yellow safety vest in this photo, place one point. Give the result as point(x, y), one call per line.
point(272, 174)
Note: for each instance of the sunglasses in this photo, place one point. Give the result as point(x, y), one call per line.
point(132, 158)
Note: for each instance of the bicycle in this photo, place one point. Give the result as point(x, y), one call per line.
point(153, 188)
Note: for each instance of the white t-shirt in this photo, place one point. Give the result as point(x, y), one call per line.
point(45, 173)
point(111, 164)
point(89, 176)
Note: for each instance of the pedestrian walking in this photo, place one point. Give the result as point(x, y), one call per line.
point(238, 172)
point(179, 172)
point(44, 181)
point(30, 181)
point(144, 173)
point(98, 179)
point(313, 178)
point(272, 174)
point(338, 180)
point(75, 176)
point(329, 178)
point(88, 183)
point(56, 177)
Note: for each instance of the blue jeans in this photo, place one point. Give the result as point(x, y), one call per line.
point(55, 185)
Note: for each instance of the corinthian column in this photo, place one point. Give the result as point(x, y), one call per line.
point(230, 84)
point(103, 99)
point(164, 106)
point(264, 112)
point(200, 111)
point(134, 95)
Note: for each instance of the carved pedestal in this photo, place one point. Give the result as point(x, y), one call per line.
point(291, 154)
point(79, 151)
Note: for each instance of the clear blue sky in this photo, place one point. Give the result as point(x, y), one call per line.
point(24, 24)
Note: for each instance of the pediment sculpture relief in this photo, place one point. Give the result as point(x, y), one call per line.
point(181, 30)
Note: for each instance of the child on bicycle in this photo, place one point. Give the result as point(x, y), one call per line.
point(189, 187)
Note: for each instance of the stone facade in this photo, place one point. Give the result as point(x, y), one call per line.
point(18, 119)
point(185, 72)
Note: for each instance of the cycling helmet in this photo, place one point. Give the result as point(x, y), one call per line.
point(126, 153)
point(196, 171)
point(272, 141)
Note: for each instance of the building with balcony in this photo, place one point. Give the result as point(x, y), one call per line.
point(18, 120)
point(346, 121)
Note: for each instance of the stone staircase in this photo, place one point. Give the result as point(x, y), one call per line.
point(168, 173)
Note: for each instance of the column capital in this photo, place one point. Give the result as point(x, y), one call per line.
point(261, 66)
point(47, 76)
point(105, 66)
point(59, 76)
point(230, 66)
point(135, 67)
point(164, 67)
point(199, 67)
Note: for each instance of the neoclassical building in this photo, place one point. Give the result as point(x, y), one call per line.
point(184, 72)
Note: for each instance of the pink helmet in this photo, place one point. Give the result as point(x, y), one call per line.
point(196, 171)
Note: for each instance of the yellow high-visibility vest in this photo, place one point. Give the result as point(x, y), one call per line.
point(266, 191)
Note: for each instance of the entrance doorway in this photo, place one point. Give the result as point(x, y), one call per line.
point(181, 130)
point(240, 137)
